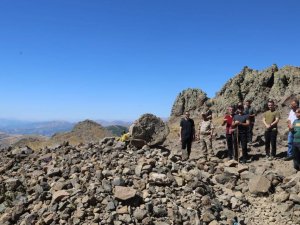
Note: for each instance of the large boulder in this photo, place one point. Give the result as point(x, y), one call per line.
point(149, 128)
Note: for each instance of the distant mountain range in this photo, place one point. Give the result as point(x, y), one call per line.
point(48, 128)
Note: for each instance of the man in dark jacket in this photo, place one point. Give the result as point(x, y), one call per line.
point(187, 135)
point(241, 123)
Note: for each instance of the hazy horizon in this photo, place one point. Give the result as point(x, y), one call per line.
point(72, 60)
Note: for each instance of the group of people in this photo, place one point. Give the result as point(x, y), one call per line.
point(239, 122)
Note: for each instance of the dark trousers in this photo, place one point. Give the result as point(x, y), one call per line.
point(250, 132)
point(270, 138)
point(229, 140)
point(186, 146)
point(240, 138)
point(296, 155)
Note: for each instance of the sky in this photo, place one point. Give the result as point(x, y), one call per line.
point(118, 59)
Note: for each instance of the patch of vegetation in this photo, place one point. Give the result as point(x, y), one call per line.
point(117, 129)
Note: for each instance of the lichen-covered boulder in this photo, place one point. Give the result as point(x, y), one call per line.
point(149, 128)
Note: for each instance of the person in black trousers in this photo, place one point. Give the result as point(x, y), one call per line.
point(187, 135)
point(270, 120)
point(228, 120)
point(241, 123)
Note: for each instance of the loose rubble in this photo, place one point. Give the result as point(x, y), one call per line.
point(111, 183)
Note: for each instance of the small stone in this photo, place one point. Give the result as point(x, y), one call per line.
point(58, 195)
point(140, 214)
point(259, 185)
point(124, 193)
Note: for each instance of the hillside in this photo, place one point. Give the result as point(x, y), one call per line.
point(117, 130)
point(83, 132)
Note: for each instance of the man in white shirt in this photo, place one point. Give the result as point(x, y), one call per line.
point(291, 118)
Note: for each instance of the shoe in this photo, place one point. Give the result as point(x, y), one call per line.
point(270, 158)
point(288, 158)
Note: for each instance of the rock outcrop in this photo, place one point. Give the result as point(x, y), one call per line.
point(189, 100)
point(258, 86)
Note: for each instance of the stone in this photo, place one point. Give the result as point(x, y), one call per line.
point(281, 197)
point(149, 128)
point(242, 168)
point(138, 143)
point(160, 211)
point(140, 214)
point(125, 218)
point(259, 185)
point(59, 195)
point(213, 223)
point(231, 171)
point(231, 163)
point(12, 184)
point(179, 181)
point(122, 210)
point(295, 198)
point(124, 193)
point(159, 178)
point(208, 217)
point(223, 178)
point(52, 171)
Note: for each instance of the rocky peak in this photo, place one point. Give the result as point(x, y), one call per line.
point(86, 125)
point(258, 86)
point(189, 100)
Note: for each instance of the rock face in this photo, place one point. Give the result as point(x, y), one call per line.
point(149, 128)
point(189, 100)
point(258, 86)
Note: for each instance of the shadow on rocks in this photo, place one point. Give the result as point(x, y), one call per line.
point(222, 154)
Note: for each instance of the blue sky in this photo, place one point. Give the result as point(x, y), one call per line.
point(118, 59)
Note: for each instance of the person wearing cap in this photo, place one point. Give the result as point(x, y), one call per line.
point(186, 135)
point(241, 123)
point(205, 133)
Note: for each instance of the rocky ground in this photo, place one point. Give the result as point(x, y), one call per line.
point(111, 183)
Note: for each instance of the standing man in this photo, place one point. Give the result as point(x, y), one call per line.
point(270, 120)
point(187, 135)
point(292, 117)
point(241, 123)
point(251, 113)
point(228, 120)
point(205, 132)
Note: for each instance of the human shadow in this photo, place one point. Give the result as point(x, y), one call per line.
point(259, 141)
